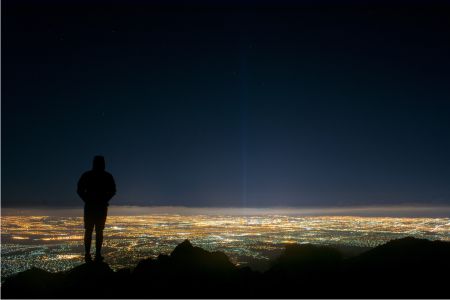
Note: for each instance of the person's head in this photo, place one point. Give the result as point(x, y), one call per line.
point(98, 163)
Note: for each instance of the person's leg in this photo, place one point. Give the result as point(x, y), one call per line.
point(98, 240)
point(88, 229)
point(88, 241)
point(99, 227)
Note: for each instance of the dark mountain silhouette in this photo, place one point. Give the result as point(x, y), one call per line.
point(309, 258)
point(401, 252)
point(187, 256)
point(404, 268)
point(187, 271)
point(32, 283)
point(418, 266)
point(303, 267)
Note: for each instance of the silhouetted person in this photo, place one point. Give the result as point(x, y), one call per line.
point(96, 187)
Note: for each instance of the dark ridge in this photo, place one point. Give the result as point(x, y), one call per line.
point(403, 268)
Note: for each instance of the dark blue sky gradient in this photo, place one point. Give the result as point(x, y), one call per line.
point(214, 105)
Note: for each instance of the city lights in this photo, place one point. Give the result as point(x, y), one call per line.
point(56, 243)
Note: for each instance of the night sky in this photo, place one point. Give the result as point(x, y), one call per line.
point(234, 105)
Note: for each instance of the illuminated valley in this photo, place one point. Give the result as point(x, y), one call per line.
point(56, 243)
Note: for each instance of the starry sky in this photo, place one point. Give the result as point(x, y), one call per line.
point(214, 104)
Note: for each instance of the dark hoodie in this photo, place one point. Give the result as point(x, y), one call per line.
point(96, 187)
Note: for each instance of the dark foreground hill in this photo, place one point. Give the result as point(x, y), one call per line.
point(404, 268)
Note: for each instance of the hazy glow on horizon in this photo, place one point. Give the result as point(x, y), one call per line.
point(373, 211)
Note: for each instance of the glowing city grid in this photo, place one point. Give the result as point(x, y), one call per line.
point(56, 243)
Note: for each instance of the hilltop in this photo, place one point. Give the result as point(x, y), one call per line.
point(403, 268)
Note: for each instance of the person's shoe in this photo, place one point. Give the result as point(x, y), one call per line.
point(98, 258)
point(88, 258)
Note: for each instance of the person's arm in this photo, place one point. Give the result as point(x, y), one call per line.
point(112, 187)
point(81, 188)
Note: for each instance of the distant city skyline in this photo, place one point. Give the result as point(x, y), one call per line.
point(277, 104)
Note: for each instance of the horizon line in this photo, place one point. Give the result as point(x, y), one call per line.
point(395, 210)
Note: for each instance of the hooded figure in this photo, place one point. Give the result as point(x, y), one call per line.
point(96, 187)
